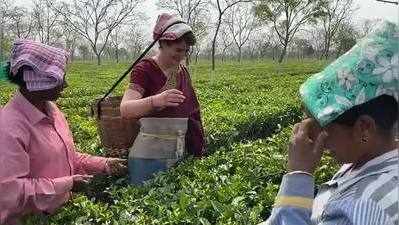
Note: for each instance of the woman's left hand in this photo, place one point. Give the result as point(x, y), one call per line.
point(116, 166)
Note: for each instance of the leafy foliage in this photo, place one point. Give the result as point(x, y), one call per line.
point(248, 111)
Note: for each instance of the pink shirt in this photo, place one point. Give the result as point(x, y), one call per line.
point(37, 159)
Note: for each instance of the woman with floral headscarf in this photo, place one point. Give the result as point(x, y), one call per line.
point(38, 163)
point(353, 106)
point(160, 87)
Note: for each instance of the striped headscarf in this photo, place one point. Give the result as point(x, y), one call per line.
point(45, 64)
point(172, 33)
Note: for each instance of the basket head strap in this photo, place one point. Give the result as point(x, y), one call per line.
point(130, 68)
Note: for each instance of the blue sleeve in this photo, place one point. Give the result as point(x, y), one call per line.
point(293, 205)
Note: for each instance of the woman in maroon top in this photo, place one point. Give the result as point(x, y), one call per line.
point(160, 86)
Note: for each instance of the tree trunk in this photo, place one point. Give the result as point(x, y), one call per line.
point(283, 53)
point(117, 54)
point(72, 56)
point(48, 37)
point(327, 49)
point(214, 42)
point(239, 54)
point(98, 59)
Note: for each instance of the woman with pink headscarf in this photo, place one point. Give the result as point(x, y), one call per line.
point(161, 89)
point(39, 165)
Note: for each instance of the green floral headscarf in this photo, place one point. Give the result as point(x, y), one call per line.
point(370, 69)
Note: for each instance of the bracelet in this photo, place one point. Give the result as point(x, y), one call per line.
point(300, 172)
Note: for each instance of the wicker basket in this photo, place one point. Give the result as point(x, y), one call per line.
point(117, 134)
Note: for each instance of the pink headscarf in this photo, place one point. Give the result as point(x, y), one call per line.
point(172, 33)
point(47, 64)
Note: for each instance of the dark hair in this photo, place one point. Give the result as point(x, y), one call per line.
point(18, 78)
point(188, 37)
point(383, 109)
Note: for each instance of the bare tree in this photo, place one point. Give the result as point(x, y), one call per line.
point(331, 14)
point(5, 9)
point(368, 25)
point(313, 36)
point(221, 6)
point(115, 41)
point(200, 31)
point(46, 21)
point(287, 18)
point(199, 47)
point(70, 38)
point(302, 48)
point(259, 43)
point(94, 20)
point(274, 43)
point(241, 23)
point(134, 37)
point(346, 37)
point(116, 36)
point(225, 41)
point(20, 22)
point(84, 51)
point(135, 41)
point(188, 10)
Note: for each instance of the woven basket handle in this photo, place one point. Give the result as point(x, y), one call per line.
point(131, 67)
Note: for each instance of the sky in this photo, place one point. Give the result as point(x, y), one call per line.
point(372, 9)
point(367, 9)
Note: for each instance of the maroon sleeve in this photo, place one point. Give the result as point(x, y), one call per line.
point(138, 78)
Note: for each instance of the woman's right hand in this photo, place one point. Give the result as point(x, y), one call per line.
point(306, 146)
point(80, 181)
point(172, 97)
